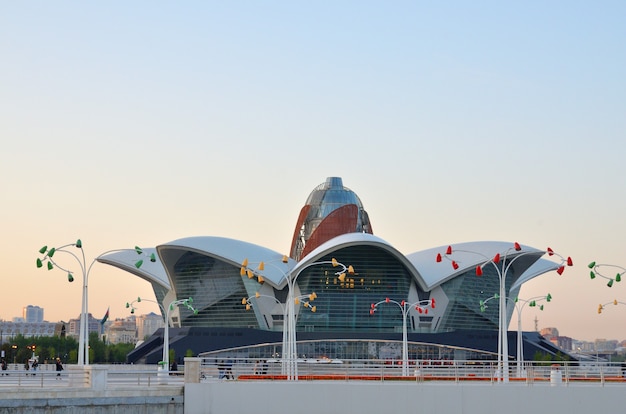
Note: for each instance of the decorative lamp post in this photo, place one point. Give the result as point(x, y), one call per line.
point(614, 302)
point(248, 303)
point(502, 264)
point(132, 307)
point(50, 260)
point(596, 270)
point(165, 363)
point(421, 307)
point(519, 306)
point(290, 352)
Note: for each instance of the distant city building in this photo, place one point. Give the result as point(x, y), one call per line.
point(32, 314)
point(549, 333)
point(73, 326)
point(8, 330)
point(148, 324)
point(564, 342)
point(603, 345)
point(121, 331)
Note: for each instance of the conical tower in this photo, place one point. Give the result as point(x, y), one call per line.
point(330, 210)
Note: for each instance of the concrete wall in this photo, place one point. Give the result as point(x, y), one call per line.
point(133, 400)
point(233, 397)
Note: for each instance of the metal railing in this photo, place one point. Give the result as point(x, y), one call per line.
point(251, 369)
point(92, 376)
point(552, 372)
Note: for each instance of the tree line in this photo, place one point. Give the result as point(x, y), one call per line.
point(47, 348)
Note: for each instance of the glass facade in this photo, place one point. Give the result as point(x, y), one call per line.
point(216, 288)
point(465, 293)
point(345, 306)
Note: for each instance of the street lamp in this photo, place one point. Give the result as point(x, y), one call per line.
point(165, 363)
point(519, 306)
point(596, 271)
point(85, 268)
point(614, 302)
point(132, 307)
point(502, 264)
point(421, 307)
point(248, 303)
point(290, 352)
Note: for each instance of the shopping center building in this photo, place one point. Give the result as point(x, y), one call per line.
point(240, 311)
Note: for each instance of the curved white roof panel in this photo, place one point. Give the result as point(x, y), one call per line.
point(538, 268)
point(466, 255)
point(360, 239)
point(153, 272)
point(234, 252)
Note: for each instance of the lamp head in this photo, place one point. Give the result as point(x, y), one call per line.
point(79, 244)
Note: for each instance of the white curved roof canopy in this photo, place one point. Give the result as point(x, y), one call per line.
point(359, 239)
point(153, 272)
point(231, 251)
point(427, 272)
point(467, 256)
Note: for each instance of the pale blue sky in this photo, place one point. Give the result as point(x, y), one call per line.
point(127, 123)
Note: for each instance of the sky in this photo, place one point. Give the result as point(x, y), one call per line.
point(138, 123)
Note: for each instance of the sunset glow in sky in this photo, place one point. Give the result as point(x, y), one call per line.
point(138, 123)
